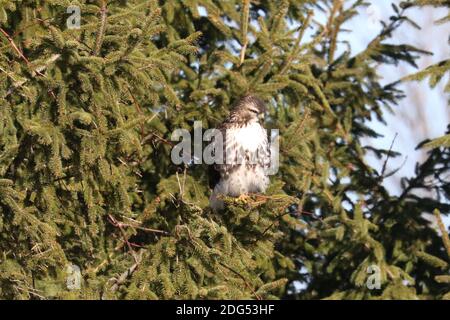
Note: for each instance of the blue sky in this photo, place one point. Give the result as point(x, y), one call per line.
point(424, 113)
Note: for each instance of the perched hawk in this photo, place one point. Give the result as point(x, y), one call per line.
point(246, 153)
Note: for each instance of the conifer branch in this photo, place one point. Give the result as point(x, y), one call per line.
point(115, 223)
point(138, 108)
point(243, 279)
point(125, 275)
point(334, 26)
point(120, 224)
point(95, 269)
point(298, 132)
point(297, 47)
point(244, 28)
point(24, 58)
point(27, 289)
point(443, 229)
point(158, 137)
point(442, 279)
point(102, 28)
point(38, 21)
point(19, 52)
point(14, 46)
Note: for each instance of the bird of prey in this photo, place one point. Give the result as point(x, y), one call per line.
point(246, 153)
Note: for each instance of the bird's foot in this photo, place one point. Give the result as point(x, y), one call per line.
point(243, 198)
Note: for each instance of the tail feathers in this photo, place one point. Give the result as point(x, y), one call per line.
point(214, 202)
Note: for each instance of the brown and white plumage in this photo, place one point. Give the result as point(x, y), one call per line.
point(246, 152)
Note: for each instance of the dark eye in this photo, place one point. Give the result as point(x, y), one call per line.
point(254, 111)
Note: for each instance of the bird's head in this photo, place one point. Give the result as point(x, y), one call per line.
point(250, 108)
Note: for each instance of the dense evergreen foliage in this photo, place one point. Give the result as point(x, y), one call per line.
point(86, 176)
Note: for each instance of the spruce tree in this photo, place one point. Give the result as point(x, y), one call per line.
point(86, 176)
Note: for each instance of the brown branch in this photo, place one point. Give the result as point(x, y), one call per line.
point(145, 229)
point(124, 235)
point(138, 108)
point(14, 46)
point(243, 279)
point(20, 53)
point(24, 58)
point(124, 276)
point(152, 134)
point(116, 223)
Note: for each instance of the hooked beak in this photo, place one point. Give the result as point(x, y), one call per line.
point(261, 116)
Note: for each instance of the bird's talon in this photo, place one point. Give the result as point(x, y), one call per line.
point(243, 198)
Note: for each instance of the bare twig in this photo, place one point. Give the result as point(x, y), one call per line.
point(24, 58)
point(124, 276)
point(243, 279)
point(383, 170)
point(124, 235)
point(123, 224)
point(138, 108)
point(30, 291)
point(181, 186)
point(390, 174)
point(153, 134)
point(14, 46)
